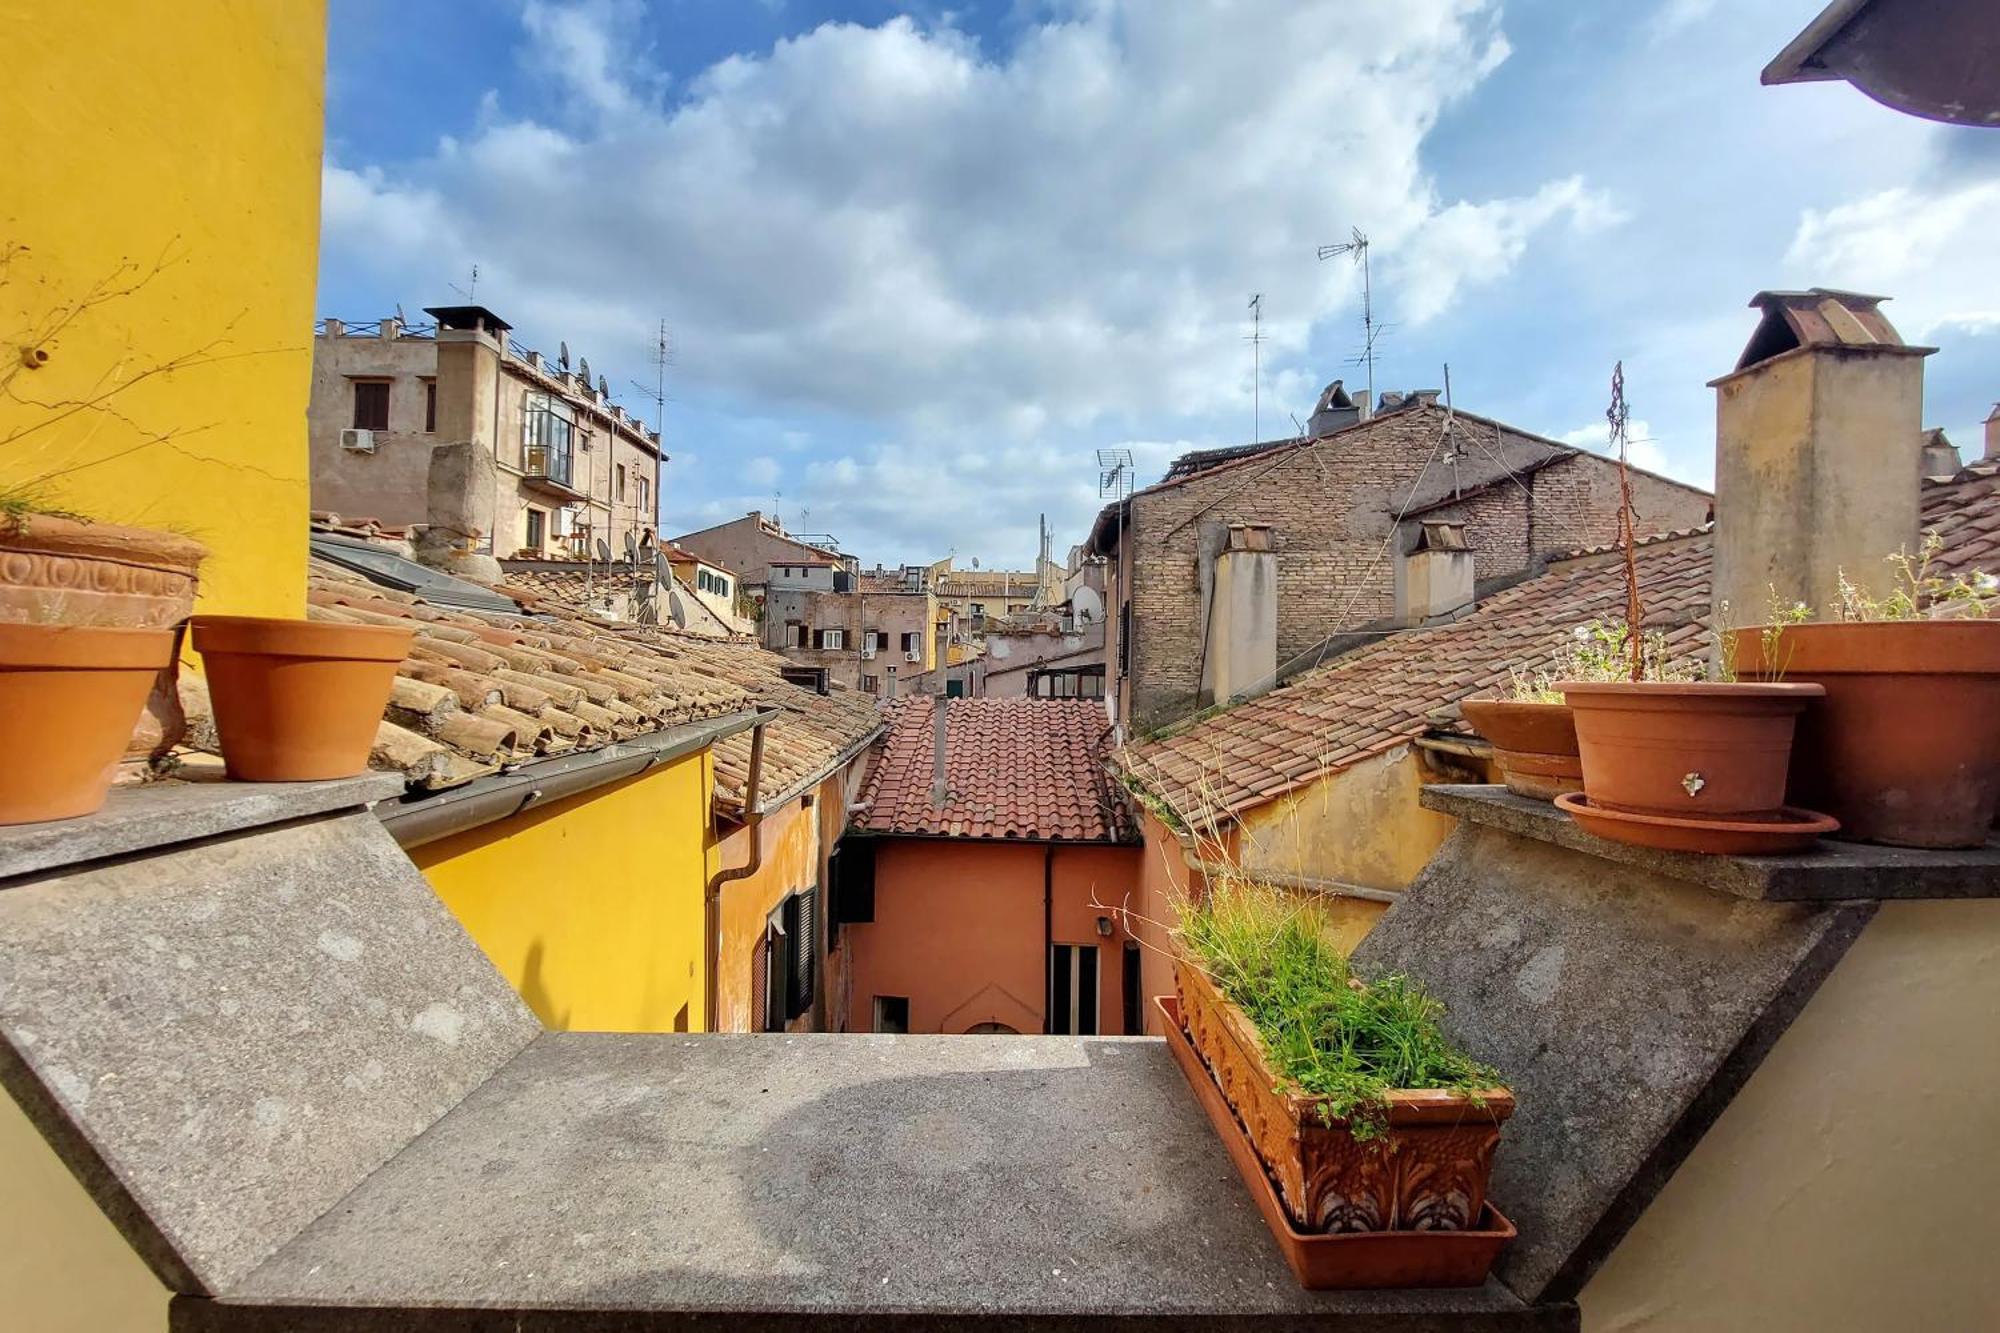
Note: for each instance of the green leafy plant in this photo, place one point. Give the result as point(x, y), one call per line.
point(1342, 1043)
point(1920, 592)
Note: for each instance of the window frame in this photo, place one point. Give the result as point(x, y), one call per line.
point(430, 405)
point(371, 382)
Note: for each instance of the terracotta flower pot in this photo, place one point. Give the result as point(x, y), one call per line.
point(1905, 747)
point(1694, 751)
point(297, 700)
point(1534, 744)
point(67, 571)
point(1427, 1173)
point(69, 695)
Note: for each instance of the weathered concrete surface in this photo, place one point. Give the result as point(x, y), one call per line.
point(1832, 871)
point(158, 814)
point(223, 1039)
point(1625, 1009)
point(815, 1181)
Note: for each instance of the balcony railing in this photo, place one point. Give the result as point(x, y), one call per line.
point(543, 462)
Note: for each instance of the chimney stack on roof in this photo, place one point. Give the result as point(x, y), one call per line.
point(1940, 460)
point(1240, 654)
point(1993, 432)
point(939, 790)
point(1818, 448)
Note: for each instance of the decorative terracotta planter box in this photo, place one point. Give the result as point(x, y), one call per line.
point(1533, 743)
point(1427, 1173)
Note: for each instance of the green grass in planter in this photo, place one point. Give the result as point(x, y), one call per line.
point(1342, 1045)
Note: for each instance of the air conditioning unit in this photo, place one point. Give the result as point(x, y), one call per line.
point(913, 656)
point(867, 654)
point(360, 441)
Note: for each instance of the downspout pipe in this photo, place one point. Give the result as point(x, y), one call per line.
point(753, 820)
point(1048, 936)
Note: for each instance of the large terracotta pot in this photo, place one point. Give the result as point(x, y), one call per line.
point(68, 571)
point(68, 697)
point(1427, 1173)
point(1905, 747)
point(1695, 751)
point(1534, 744)
point(297, 700)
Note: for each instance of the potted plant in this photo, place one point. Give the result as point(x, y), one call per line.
point(1366, 1116)
point(297, 700)
point(1671, 759)
point(1904, 748)
point(1533, 736)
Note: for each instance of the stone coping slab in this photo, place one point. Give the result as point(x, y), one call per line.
point(159, 814)
point(1832, 871)
point(605, 1181)
point(1624, 1008)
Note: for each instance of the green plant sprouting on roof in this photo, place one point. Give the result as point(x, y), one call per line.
point(1920, 593)
point(1342, 1043)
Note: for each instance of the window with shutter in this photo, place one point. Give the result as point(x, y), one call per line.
point(802, 927)
point(851, 883)
point(774, 986)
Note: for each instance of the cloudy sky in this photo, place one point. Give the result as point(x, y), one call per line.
point(920, 263)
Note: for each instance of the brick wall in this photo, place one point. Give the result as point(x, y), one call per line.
point(1331, 507)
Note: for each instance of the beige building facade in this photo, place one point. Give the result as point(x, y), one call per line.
point(574, 468)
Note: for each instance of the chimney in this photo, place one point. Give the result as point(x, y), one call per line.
point(1993, 432)
point(1435, 578)
point(1939, 460)
point(939, 791)
point(470, 343)
point(1334, 411)
point(1241, 653)
point(1818, 438)
point(335, 328)
point(390, 328)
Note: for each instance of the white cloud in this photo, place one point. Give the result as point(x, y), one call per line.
point(1642, 448)
point(892, 224)
point(1890, 242)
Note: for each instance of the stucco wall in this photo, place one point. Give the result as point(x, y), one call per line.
point(389, 484)
point(592, 906)
point(959, 931)
point(1361, 825)
point(167, 158)
point(1851, 1184)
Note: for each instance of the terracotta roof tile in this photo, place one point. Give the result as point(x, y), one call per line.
point(1383, 694)
point(1014, 768)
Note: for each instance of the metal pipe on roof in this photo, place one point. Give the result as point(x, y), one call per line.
point(414, 822)
point(711, 907)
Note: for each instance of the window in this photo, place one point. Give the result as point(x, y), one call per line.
point(620, 473)
point(913, 642)
point(979, 610)
point(795, 634)
point(786, 956)
point(548, 436)
point(645, 498)
point(371, 404)
point(430, 407)
point(1080, 683)
point(871, 684)
point(830, 638)
point(892, 1013)
point(537, 527)
point(1073, 990)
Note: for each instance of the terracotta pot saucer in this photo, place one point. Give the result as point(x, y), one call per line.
point(1792, 829)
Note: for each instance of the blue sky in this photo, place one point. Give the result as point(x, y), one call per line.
point(921, 262)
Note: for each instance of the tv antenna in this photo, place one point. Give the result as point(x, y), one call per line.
point(471, 287)
point(1256, 341)
point(1358, 249)
point(1114, 474)
point(663, 356)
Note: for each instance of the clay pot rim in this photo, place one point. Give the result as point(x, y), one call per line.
point(1877, 647)
point(110, 543)
point(85, 647)
point(1718, 691)
point(1506, 723)
point(1794, 821)
point(264, 636)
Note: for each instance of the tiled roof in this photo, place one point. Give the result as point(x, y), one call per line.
point(987, 583)
point(484, 692)
point(1382, 695)
point(1014, 768)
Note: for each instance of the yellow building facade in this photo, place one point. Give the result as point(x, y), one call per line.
point(592, 907)
point(160, 249)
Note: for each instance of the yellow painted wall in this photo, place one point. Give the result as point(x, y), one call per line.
point(1361, 825)
point(1851, 1184)
point(186, 137)
point(592, 906)
point(792, 861)
point(171, 153)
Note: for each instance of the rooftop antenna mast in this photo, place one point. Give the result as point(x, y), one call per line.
point(663, 356)
point(1114, 474)
point(470, 289)
point(1256, 341)
point(1358, 248)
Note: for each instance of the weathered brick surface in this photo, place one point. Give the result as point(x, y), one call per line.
point(1332, 507)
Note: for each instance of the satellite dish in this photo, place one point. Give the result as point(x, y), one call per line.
point(975, 562)
point(604, 550)
point(583, 369)
point(562, 355)
point(661, 570)
point(631, 547)
point(676, 609)
point(603, 387)
point(399, 313)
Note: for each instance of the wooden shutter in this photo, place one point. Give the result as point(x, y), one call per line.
point(803, 928)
